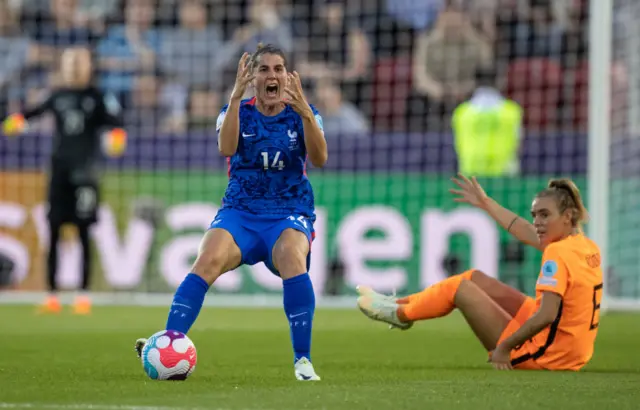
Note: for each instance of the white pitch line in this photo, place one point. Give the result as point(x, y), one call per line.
point(164, 299)
point(88, 406)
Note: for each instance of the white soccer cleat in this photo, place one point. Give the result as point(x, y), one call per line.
point(304, 370)
point(382, 310)
point(367, 291)
point(139, 346)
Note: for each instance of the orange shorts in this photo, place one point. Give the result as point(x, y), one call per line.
point(519, 356)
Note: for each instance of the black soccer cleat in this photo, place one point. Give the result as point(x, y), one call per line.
point(139, 346)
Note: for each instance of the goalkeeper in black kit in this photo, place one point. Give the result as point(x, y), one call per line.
point(87, 123)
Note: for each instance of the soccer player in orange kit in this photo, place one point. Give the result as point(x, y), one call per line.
point(554, 331)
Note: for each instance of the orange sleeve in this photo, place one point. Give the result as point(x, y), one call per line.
point(554, 274)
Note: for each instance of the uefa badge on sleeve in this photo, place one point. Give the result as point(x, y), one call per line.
point(549, 270)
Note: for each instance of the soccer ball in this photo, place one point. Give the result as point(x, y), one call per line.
point(169, 355)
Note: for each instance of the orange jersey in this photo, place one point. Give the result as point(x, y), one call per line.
point(570, 268)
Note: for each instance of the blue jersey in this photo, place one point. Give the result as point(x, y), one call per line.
point(267, 174)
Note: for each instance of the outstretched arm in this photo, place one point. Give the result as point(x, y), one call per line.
point(38, 109)
point(16, 124)
point(472, 193)
point(520, 228)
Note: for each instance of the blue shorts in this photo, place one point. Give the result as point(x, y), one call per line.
point(256, 235)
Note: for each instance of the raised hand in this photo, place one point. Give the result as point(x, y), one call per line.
point(243, 78)
point(14, 125)
point(296, 98)
point(470, 191)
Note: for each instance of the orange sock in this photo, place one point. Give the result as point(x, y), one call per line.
point(435, 301)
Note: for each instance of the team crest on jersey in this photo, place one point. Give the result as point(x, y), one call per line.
point(293, 140)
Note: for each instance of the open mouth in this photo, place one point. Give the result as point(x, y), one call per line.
point(272, 90)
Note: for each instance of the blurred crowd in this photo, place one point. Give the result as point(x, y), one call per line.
point(368, 65)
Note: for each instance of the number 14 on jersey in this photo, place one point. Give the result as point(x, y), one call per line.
point(276, 163)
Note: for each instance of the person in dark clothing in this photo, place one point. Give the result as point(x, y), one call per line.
point(82, 114)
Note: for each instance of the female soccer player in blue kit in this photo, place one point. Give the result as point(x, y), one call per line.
point(267, 212)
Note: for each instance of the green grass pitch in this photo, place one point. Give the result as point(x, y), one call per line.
point(244, 362)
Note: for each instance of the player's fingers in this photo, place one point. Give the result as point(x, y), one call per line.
point(465, 179)
point(456, 192)
point(244, 83)
point(245, 72)
point(476, 184)
point(241, 63)
point(296, 76)
point(291, 92)
point(457, 182)
point(462, 200)
point(291, 80)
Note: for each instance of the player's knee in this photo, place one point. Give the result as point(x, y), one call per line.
point(289, 252)
point(209, 266)
point(217, 255)
point(464, 293)
point(478, 276)
point(485, 282)
point(290, 256)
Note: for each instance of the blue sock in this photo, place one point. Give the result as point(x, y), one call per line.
point(299, 306)
point(187, 303)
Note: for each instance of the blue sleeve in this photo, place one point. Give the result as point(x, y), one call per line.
point(317, 116)
point(220, 119)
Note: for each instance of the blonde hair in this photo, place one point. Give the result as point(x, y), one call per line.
point(567, 196)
